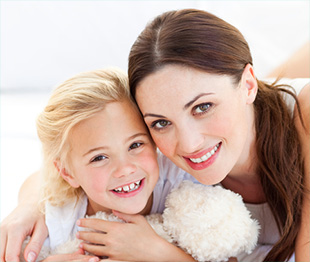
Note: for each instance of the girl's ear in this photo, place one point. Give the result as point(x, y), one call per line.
point(65, 175)
point(250, 83)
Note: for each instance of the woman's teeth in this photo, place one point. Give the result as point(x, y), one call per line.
point(206, 156)
point(128, 188)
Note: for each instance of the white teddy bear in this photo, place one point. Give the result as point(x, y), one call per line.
point(208, 222)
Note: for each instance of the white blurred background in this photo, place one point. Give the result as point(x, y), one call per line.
point(45, 42)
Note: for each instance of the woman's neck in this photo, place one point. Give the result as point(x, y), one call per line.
point(243, 178)
point(249, 188)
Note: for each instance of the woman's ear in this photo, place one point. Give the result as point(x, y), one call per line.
point(65, 174)
point(250, 83)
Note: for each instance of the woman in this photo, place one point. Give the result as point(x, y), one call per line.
point(192, 77)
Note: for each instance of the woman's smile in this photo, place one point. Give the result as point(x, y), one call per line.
point(207, 158)
point(204, 122)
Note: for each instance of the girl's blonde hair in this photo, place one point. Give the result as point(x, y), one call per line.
point(73, 101)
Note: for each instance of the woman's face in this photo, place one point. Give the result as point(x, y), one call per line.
point(202, 122)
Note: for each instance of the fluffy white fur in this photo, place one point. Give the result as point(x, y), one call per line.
point(209, 223)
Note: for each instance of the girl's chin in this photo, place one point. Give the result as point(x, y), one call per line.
point(132, 211)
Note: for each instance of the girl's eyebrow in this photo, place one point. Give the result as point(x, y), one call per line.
point(95, 149)
point(135, 135)
point(105, 147)
point(196, 98)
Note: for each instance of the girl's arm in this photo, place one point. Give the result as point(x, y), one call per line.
point(25, 220)
point(78, 256)
point(131, 241)
point(302, 250)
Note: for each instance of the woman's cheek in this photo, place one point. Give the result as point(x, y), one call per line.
point(164, 144)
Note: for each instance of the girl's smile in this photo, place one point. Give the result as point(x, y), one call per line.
point(129, 190)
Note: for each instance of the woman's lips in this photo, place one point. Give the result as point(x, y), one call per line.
point(203, 159)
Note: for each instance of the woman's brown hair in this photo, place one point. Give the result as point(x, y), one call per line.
point(203, 41)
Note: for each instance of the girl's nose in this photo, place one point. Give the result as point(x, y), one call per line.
point(124, 167)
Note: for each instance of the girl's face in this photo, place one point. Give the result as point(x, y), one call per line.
point(203, 122)
point(114, 160)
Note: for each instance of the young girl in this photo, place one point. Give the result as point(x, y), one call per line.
point(98, 156)
point(191, 74)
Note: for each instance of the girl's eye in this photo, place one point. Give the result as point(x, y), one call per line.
point(98, 158)
point(202, 108)
point(135, 145)
point(160, 124)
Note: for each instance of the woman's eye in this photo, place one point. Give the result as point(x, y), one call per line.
point(98, 158)
point(160, 124)
point(202, 108)
point(135, 145)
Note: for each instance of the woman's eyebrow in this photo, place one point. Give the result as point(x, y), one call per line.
point(153, 115)
point(196, 98)
point(185, 107)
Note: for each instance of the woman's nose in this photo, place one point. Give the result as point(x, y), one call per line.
point(189, 139)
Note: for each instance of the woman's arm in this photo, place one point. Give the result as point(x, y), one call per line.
point(25, 220)
point(296, 66)
point(302, 250)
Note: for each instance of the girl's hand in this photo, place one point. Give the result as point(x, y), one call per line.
point(77, 256)
point(132, 241)
point(22, 222)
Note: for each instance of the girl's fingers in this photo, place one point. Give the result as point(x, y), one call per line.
point(92, 237)
point(74, 257)
point(97, 250)
point(96, 224)
point(127, 218)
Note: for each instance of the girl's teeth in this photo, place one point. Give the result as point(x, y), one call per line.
point(128, 188)
point(206, 156)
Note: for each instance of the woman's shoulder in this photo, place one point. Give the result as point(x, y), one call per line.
point(300, 87)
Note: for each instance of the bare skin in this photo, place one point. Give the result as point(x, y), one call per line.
point(296, 66)
point(28, 196)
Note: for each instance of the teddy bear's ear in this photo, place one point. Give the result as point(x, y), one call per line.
point(66, 175)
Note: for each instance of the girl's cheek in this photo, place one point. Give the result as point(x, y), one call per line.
point(149, 159)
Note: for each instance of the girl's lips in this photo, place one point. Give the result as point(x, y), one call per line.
point(129, 190)
point(204, 159)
